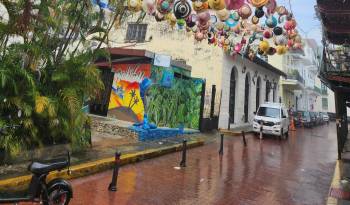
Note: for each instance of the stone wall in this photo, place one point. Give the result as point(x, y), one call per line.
point(111, 128)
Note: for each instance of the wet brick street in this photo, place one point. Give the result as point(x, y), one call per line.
point(297, 171)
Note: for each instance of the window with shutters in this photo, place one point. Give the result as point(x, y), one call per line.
point(136, 32)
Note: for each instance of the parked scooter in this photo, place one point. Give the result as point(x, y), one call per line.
point(56, 192)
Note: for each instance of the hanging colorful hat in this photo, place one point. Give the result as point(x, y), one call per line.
point(182, 9)
point(271, 51)
point(199, 5)
point(159, 16)
point(245, 11)
point(164, 6)
point(290, 25)
point(134, 5)
point(181, 23)
point(267, 34)
point(199, 36)
point(259, 3)
point(281, 40)
point(220, 26)
point(281, 10)
point(255, 20)
point(271, 7)
point(264, 46)
point(231, 22)
point(213, 19)
point(203, 17)
point(280, 49)
point(191, 20)
point(223, 14)
point(217, 4)
point(277, 31)
point(234, 4)
point(149, 6)
point(271, 22)
point(259, 12)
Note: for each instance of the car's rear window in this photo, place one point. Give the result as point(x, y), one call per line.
point(269, 112)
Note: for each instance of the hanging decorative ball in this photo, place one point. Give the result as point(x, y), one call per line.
point(172, 19)
point(255, 20)
point(280, 50)
point(271, 22)
point(289, 16)
point(217, 4)
point(259, 12)
point(297, 39)
point(203, 27)
point(223, 14)
point(182, 9)
point(298, 46)
point(243, 41)
point(277, 31)
point(149, 6)
point(259, 3)
point(264, 46)
point(267, 34)
point(191, 20)
point(234, 4)
point(245, 11)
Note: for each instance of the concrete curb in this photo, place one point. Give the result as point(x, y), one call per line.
point(228, 133)
point(335, 184)
point(85, 169)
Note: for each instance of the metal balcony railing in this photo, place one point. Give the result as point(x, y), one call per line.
point(296, 76)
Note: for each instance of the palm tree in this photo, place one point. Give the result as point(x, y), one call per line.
point(46, 71)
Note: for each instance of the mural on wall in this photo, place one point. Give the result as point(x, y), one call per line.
point(175, 105)
point(125, 101)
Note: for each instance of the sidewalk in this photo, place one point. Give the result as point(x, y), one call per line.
point(99, 158)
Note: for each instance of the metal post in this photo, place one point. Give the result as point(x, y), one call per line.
point(221, 150)
point(261, 130)
point(113, 185)
point(244, 140)
point(281, 135)
point(184, 150)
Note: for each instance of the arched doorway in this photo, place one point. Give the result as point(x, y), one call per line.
point(232, 100)
point(267, 91)
point(246, 97)
point(257, 97)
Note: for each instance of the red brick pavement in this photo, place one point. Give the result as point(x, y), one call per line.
point(271, 172)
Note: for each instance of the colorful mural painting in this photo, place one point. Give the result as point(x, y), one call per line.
point(174, 106)
point(125, 101)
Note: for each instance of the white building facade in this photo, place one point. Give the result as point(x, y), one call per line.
point(245, 85)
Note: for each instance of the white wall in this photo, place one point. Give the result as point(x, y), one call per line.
point(238, 63)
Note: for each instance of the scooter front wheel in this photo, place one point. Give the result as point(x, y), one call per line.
point(60, 195)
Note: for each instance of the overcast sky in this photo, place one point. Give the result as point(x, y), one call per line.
point(308, 25)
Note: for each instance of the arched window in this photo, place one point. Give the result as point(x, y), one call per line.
point(267, 93)
point(246, 97)
point(258, 88)
point(232, 100)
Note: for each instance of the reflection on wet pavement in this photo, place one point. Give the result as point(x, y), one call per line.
point(297, 171)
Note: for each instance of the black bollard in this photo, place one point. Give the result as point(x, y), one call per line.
point(221, 150)
point(261, 130)
point(244, 140)
point(113, 185)
point(184, 150)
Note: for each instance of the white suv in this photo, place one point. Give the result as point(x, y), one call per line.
point(274, 119)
